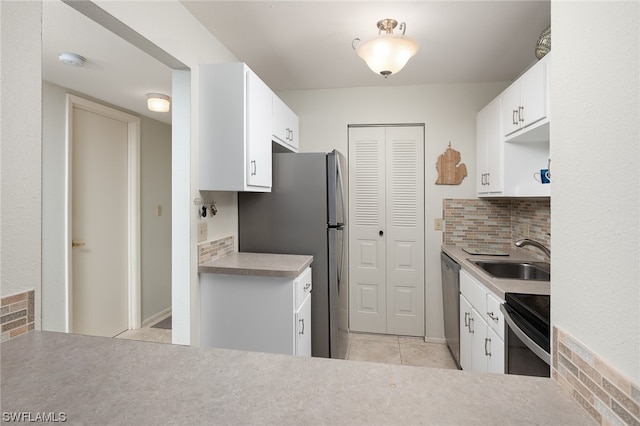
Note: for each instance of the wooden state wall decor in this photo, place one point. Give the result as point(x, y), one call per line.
point(450, 170)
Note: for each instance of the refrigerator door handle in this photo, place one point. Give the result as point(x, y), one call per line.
point(340, 189)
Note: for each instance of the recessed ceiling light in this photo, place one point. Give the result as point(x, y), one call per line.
point(72, 59)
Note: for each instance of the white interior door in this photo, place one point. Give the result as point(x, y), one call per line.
point(100, 223)
point(386, 178)
point(367, 251)
point(405, 230)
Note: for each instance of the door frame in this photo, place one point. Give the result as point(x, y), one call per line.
point(133, 203)
point(424, 211)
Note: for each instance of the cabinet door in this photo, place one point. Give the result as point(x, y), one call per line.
point(511, 108)
point(259, 115)
point(482, 149)
point(465, 334)
point(495, 352)
point(490, 149)
point(303, 328)
point(479, 348)
point(285, 124)
point(533, 91)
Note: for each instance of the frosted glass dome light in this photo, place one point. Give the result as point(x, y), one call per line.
point(387, 53)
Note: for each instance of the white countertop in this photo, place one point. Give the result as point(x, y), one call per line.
point(499, 286)
point(96, 380)
point(258, 264)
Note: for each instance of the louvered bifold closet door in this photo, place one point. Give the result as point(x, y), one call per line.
point(367, 282)
point(405, 230)
point(386, 180)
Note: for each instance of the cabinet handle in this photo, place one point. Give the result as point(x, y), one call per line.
point(521, 113)
point(291, 136)
point(301, 322)
point(306, 286)
point(471, 322)
point(466, 322)
point(515, 117)
point(482, 179)
point(487, 352)
point(493, 317)
point(254, 168)
point(488, 178)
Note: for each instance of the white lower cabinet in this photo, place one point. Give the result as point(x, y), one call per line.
point(481, 328)
point(254, 313)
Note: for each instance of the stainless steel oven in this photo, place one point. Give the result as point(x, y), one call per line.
point(527, 338)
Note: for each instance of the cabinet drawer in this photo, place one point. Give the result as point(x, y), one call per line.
point(495, 318)
point(473, 291)
point(302, 287)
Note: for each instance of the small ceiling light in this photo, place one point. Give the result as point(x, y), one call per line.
point(157, 102)
point(387, 53)
point(72, 59)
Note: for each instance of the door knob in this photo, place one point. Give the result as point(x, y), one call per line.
point(381, 233)
point(75, 244)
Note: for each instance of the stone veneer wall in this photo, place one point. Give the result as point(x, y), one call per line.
point(607, 395)
point(212, 250)
point(17, 314)
point(496, 223)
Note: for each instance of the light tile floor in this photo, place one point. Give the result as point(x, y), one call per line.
point(147, 334)
point(381, 348)
point(391, 349)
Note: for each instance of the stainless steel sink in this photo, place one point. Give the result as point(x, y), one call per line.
point(516, 269)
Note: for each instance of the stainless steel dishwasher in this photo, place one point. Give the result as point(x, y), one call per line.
point(451, 304)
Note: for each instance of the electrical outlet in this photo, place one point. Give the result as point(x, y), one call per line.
point(203, 232)
point(437, 224)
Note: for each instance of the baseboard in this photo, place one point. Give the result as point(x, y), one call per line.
point(157, 317)
point(440, 340)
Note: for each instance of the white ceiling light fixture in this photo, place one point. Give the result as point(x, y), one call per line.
point(73, 59)
point(387, 53)
point(157, 102)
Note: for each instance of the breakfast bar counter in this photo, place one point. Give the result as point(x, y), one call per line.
point(95, 380)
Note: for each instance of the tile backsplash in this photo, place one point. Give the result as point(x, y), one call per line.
point(18, 314)
point(604, 393)
point(213, 250)
point(496, 223)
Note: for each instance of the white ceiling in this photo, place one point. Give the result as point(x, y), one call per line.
point(305, 45)
point(116, 72)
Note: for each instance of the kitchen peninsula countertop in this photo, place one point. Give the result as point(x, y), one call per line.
point(96, 380)
point(499, 286)
point(258, 264)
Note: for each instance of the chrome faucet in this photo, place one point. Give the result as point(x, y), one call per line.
point(527, 242)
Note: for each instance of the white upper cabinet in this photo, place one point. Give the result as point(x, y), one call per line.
point(285, 125)
point(489, 149)
point(235, 129)
point(512, 143)
point(524, 103)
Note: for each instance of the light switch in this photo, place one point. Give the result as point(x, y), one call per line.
point(437, 224)
point(202, 231)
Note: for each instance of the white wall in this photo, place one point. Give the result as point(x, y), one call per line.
point(155, 180)
point(20, 97)
point(180, 34)
point(449, 115)
point(155, 226)
point(595, 92)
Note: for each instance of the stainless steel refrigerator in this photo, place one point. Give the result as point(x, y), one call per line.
point(305, 213)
